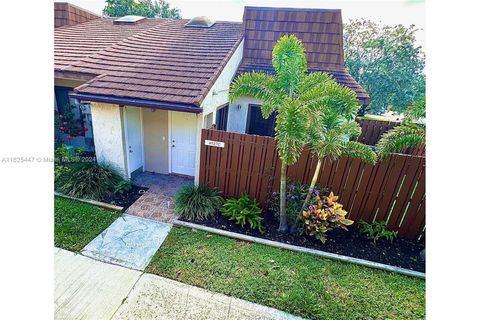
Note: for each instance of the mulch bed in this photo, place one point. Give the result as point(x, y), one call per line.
point(400, 253)
point(125, 199)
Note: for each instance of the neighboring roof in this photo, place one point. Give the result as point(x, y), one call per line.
point(165, 62)
point(321, 31)
point(67, 14)
point(72, 43)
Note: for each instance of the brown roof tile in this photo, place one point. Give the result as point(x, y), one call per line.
point(67, 14)
point(321, 31)
point(79, 41)
point(167, 62)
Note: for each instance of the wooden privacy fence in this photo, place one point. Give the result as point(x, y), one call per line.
point(372, 130)
point(392, 190)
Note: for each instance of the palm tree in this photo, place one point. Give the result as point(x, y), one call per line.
point(332, 125)
point(410, 134)
point(288, 93)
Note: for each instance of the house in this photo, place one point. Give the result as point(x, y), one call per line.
point(321, 31)
point(149, 86)
point(67, 14)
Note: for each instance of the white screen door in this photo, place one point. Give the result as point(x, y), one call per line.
point(183, 142)
point(134, 143)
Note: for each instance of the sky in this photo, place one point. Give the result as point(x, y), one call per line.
point(390, 12)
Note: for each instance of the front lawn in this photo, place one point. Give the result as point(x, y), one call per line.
point(302, 284)
point(77, 223)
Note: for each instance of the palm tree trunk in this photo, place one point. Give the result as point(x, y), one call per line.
point(283, 227)
point(312, 185)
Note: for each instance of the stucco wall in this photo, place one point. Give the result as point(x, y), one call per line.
point(216, 97)
point(107, 121)
point(155, 126)
point(237, 117)
point(218, 94)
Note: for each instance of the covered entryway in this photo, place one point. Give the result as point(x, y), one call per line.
point(183, 127)
point(134, 139)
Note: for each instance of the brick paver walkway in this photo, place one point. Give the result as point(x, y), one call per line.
point(157, 202)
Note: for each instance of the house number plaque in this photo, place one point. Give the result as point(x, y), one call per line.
point(217, 144)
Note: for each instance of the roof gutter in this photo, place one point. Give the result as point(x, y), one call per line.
point(137, 102)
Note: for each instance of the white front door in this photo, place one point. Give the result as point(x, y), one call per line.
point(134, 138)
point(183, 142)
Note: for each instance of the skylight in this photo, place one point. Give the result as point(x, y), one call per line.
point(128, 19)
point(200, 22)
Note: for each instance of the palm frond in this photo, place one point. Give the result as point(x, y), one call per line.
point(313, 80)
point(259, 86)
point(399, 138)
point(349, 128)
point(416, 110)
point(290, 131)
point(360, 151)
point(330, 145)
point(334, 96)
point(290, 62)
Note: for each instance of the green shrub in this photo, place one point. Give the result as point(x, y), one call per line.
point(197, 202)
point(63, 160)
point(88, 180)
point(243, 210)
point(377, 230)
point(296, 194)
point(123, 186)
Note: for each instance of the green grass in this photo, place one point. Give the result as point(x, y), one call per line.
point(301, 284)
point(77, 223)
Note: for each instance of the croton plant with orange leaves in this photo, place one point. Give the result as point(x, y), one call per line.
point(325, 214)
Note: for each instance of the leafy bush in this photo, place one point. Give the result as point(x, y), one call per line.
point(296, 194)
point(64, 157)
point(325, 215)
point(123, 186)
point(88, 180)
point(243, 210)
point(197, 202)
point(377, 230)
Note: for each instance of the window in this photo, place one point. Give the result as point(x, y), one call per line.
point(222, 118)
point(256, 124)
point(61, 97)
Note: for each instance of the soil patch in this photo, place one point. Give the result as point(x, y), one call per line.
point(125, 199)
point(400, 252)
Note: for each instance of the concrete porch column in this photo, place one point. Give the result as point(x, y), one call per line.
point(107, 122)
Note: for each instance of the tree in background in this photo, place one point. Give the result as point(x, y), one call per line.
point(144, 8)
point(386, 62)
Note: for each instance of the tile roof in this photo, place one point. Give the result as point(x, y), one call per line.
point(73, 43)
point(69, 14)
point(165, 62)
point(321, 31)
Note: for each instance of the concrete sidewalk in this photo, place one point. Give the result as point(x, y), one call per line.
point(90, 289)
